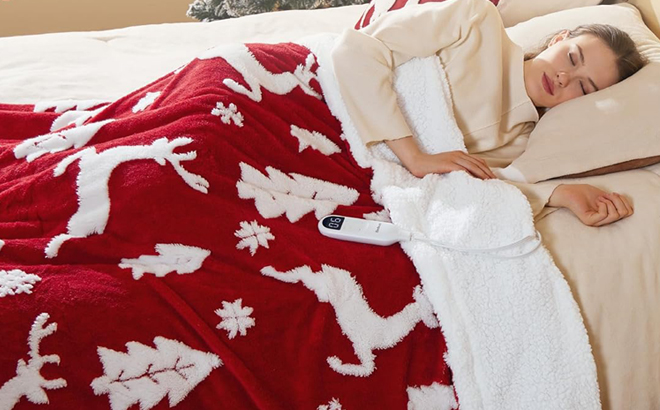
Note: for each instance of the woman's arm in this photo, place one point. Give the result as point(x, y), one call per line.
point(420, 164)
point(593, 206)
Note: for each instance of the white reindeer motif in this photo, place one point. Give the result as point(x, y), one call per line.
point(95, 169)
point(28, 381)
point(366, 330)
point(256, 75)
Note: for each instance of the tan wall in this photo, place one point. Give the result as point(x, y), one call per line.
point(46, 16)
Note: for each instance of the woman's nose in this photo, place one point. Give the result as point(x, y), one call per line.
point(563, 78)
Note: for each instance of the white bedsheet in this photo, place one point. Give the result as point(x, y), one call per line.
point(109, 64)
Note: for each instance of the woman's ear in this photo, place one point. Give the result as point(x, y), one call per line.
point(562, 35)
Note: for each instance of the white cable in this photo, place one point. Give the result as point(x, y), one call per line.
point(386, 233)
point(489, 251)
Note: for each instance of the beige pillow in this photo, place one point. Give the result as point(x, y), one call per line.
point(614, 126)
point(516, 11)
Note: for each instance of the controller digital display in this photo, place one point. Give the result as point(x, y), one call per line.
point(333, 222)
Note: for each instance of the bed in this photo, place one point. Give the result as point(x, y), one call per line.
point(196, 290)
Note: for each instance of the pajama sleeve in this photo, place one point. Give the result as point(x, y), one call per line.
point(538, 195)
point(364, 61)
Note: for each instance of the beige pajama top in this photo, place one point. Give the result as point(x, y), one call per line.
point(483, 66)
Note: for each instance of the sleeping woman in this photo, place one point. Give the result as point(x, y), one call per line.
point(498, 93)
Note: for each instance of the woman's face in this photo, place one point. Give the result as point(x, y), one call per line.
point(570, 68)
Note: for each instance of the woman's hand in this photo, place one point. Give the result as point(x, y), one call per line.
point(593, 206)
point(420, 164)
point(450, 161)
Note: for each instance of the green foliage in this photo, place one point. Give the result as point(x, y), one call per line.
point(209, 10)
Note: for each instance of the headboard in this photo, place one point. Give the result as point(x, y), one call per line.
point(650, 12)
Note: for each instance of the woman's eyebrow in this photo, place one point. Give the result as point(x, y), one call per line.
point(582, 59)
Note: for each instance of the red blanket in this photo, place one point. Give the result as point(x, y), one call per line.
point(162, 251)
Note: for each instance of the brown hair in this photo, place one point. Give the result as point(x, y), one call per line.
point(629, 59)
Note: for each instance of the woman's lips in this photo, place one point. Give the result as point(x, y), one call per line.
point(547, 85)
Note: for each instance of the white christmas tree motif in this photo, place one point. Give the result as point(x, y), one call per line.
point(61, 106)
point(433, 397)
point(16, 281)
point(73, 117)
point(315, 140)
point(252, 236)
point(74, 112)
point(28, 381)
point(333, 404)
point(146, 375)
point(383, 215)
point(33, 148)
point(235, 318)
point(256, 75)
point(146, 101)
point(295, 195)
point(366, 330)
point(95, 170)
point(228, 114)
point(171, 257)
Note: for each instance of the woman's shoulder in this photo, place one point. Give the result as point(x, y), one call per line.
point(477, 5)
point(486, 4)
point(472, 10)
point(486, 7)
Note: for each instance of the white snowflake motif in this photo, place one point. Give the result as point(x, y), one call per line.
point(228, 114)
point(235, 318)
point(16, 281)
point(333, 404)
point(253, 235)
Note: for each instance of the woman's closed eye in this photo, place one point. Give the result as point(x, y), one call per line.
point(573, 63)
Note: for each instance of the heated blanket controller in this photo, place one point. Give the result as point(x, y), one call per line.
point(362, 230)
